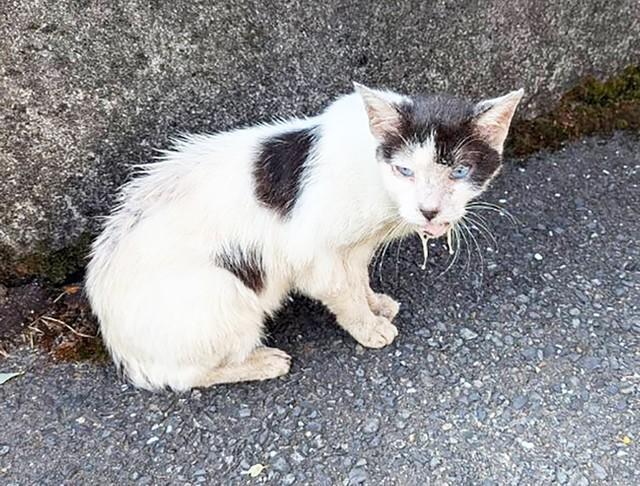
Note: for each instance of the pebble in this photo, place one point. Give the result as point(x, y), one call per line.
point(244, 412)
point(519, 402)
point(561, 476)
point(280, 465)
point(537, 256)
point(621, 406)
point(481, 414)
point(4, 450)
point(357, 476)
point(371, 426)
point(574, 311)
point(289, 479)
point(599, 471)
point(578, 480)
point(549, 351)
point(525, 444)
point(530, 353)
point(474, 396)
point(590, 363)
point(468, 334)
point(297, 457)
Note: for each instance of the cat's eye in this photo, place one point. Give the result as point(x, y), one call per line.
point(403, 171)
point(460, 172)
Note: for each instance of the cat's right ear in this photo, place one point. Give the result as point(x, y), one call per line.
point(383, 116)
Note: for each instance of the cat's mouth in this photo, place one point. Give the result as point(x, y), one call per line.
point(434, 230)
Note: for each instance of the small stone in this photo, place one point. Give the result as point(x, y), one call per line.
point(467, 334)
point(590, 363)
point(152, 440)
point(574, 311)
point(244, 412)
point(530, 353)
point(289, 479)
point(519, 402)
point(446, 427)
point(297, 457)
point(81, 420)
point(280, 465)
point(526, 445)
point(579, 480)
point(371, 426)
point(549, 351)
point(599, 471)
point(474, 396)
point(357, 476)
point(538, 256)
point(481, 414)
point(200, 472)
point(621, 406)
point(561, 476)
point(4, 450)
point(613, 389)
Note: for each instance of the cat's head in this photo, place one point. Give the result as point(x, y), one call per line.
point(436, 153)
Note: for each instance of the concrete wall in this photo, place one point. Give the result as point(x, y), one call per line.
point(87, 87)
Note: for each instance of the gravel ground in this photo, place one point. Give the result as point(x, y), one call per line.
point(522, 370)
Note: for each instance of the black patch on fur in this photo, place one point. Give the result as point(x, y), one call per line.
point(280, 166)
point(451, 121)
point(245, 264)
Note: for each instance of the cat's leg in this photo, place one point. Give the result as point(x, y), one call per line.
point(382, 304)
point(339, 284)
point(262, 364)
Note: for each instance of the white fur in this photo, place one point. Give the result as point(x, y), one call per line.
point(171, 317)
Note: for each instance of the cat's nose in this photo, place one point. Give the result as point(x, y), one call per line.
point(429, 214)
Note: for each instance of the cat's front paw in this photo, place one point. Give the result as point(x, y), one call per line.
point(383, 305)
point(376, 334)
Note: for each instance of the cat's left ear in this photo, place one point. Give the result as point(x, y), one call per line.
point(492, 118)
point(383, 116)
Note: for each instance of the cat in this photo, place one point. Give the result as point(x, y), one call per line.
point(209, 240)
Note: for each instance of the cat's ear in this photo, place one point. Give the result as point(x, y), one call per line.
point(383, 116)
point(492, 118)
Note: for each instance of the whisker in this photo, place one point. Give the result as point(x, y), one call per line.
point(482, 229)
point(477, 245)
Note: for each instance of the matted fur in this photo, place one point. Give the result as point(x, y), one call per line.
point(203, 246)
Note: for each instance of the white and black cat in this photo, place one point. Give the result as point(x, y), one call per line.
point(208, 241)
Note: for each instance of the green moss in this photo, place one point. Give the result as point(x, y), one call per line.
point(592, 107)
point(54, 266)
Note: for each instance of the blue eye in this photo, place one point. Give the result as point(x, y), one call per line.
point(460, 172)
point(404, 171)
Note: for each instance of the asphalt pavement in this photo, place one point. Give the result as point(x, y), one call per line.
point(522, 367)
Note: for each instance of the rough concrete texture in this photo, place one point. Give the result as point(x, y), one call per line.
point(88, 87)
point(526, 375)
